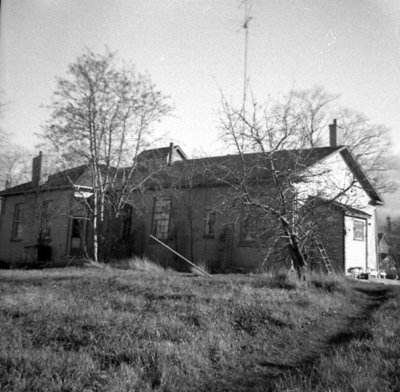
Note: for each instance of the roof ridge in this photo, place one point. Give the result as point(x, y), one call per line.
point(333, 149)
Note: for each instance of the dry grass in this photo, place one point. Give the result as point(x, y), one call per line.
point(113, 329)
point(142, 264)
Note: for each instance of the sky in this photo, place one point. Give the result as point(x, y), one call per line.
point(194, 49)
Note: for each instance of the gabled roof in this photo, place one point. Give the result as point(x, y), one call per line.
point(160, 153)
point(361, 176)
point(63, 179)
point(227, 168)
point(349, 210)
point(218, 170)
point(383, 237)
point(154, 153)
point(313, 203)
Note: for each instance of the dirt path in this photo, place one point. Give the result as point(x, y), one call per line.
point(347, 326)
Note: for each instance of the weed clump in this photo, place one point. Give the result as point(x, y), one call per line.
point(278, 280)
point(329, 282)
point(142, 264)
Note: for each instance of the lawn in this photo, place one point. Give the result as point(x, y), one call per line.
point(78, 329)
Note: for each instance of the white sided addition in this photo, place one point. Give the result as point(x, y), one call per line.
point(333, 178)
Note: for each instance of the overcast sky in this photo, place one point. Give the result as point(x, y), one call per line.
point(193, 49)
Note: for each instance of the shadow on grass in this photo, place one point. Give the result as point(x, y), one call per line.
point(36, 280)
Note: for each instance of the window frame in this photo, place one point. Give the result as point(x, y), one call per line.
point(209, 224)
point(160, 225)
point(17, 225)
point(361, 223)
point(258, 227)
point(248, 221)
point(126, 221)
point(45, 220)
point(78, 231)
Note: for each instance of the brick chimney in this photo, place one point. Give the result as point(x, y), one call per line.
point(36, 169)
point(335, 135)
point(170, 153)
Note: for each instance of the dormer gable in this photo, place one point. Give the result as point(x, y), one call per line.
point(163, 156)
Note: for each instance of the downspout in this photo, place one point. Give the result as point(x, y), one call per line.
point(344, 243)
point(69, 228)
point(377, 258)
point(366, 244)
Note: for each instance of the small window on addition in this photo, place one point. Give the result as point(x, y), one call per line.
point(359, 230)
point(209, 227)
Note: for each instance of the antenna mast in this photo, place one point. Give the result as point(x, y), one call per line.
point(245, 26)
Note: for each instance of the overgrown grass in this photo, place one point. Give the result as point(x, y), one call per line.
point(138, 329)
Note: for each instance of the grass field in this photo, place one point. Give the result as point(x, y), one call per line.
point(121, 330)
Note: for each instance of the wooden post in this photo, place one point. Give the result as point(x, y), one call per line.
point(183, 258)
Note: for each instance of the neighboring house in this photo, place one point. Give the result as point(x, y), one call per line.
point(383, 246)
point(389, 251)
point(190, 205)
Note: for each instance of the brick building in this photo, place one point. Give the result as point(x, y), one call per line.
point(193, 206)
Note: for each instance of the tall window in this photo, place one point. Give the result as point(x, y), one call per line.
point(253, 228)
point(161, 216)
point(209, 228)
point(17, 222)
point(45, 221)
point(248, 229)
point(126, 221)
point(78, 234)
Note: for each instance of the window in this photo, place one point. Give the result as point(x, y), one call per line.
point(126, 221)
point(17, 222)
point(248, 229)
point(254, 227)
point(161, 215)
point(45, 221)
point(359, 230)
point(209, 224)
point(78, 231)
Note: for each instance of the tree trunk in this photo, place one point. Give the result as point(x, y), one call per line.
point(297, 257)
point(95, 229)
point(299, 261)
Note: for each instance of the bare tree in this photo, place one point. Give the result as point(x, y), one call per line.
point(314, 108)
point(102, 115)
point(13, 159)
point(370, 144)
point(272, 180)
point(14, 165)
